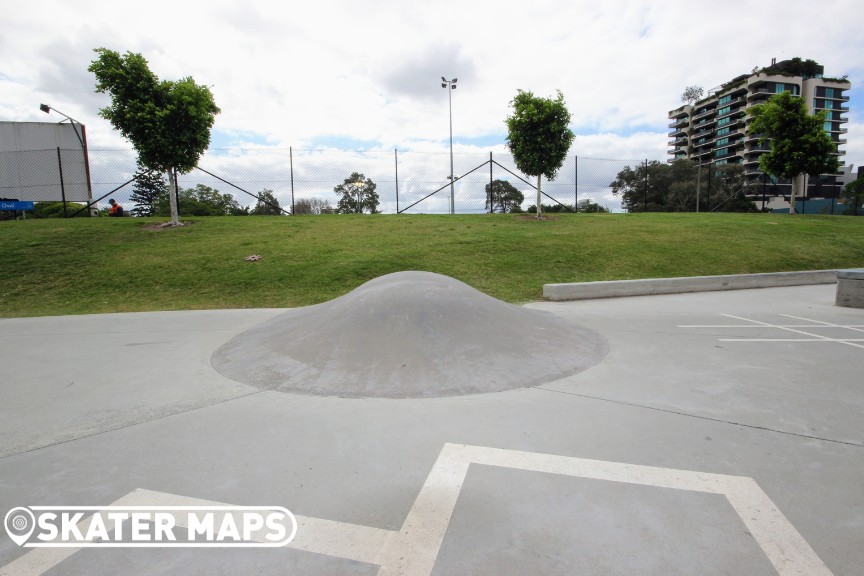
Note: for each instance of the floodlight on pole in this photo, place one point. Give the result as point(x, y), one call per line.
point(82, 139)
point(47, 109)
point(450, 85)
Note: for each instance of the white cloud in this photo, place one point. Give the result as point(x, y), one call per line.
point(291, 74)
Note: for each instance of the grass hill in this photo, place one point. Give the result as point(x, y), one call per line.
point(95, 265)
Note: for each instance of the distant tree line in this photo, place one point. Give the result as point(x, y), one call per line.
point(586, 206)
point(677, 186)
point(150, 197)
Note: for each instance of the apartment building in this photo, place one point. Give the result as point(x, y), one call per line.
point(713, 130)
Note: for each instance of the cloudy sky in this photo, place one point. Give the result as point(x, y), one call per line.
point(366, 75)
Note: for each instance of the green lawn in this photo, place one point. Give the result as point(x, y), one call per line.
point(90, 265)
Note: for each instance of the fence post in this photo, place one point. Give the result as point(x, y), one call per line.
point(708, 196)
point(396, 161)
point(491, 208)
point(291, 167)
point(576, 184)
point(646, 185)
point(62, 187)
point(763, 190)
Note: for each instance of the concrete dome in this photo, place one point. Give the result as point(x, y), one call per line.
point(409, 335)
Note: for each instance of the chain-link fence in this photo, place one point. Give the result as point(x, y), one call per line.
point(408, 182)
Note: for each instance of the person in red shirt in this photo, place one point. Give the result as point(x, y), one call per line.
point(116, 209)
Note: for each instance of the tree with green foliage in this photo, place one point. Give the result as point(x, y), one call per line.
point(502, 196)
point(661, 187)
point(267, 205)
point(148, 188)
point(551, 208)
point(314, 206)
point(539, 136)
point(202, 201)
point(692, 94)
point(56, 210)
point(644, 188)
point(795, 67)
point(854, 196)
point(358, 195)
point(798, 141)
point(588, 206)
point(168, 122)
point(731, 189)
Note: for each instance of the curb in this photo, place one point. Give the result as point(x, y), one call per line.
point(652, 286)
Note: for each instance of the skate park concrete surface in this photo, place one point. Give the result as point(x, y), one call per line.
point(704, 433)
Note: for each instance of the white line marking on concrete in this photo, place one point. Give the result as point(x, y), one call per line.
point(856, 327)
point(841, 340)
point(794, 330)
point(788, 327)
point(412, 551)
point(820, 325)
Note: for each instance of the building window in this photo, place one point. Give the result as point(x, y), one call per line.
point(724, 100)
point(723, 121)
point(721, 162)
point(723, 131)
point(724, 110)
point(829, 93)
point(722, 141)
point(827, 126)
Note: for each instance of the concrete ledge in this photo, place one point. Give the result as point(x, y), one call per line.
point(850, 288)
point(650, 286)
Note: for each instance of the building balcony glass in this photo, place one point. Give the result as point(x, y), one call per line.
point(704, 113)
point(706, 122)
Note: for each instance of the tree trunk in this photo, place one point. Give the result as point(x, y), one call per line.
point(793, 191)
point(539, 197)
point(172, 198)
point(799, 186)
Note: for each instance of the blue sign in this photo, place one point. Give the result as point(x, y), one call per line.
point(6, 205)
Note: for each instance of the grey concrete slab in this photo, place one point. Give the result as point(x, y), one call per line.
point(652, 286)
point(850, 288)
point(72, 376)
point(686, 392)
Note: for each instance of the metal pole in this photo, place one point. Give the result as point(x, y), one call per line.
point(82, 139)
point(87, 167)
point(576, 184)
point(764, 178)
point(396, 160)
point(646, 185)
point(708, 199)
point(291, 164)
point(62, 187)
point(491, 205)
point(698, 183)
point(452, 193)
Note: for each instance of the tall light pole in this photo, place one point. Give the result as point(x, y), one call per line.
point(450, 85)
point(359, 185)
point(82, 139)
